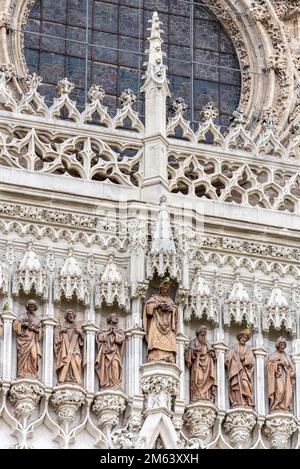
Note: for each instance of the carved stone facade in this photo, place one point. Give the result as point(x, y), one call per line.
point(97, 208)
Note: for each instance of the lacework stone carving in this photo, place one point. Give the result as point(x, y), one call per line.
point(201, 300)
point(30, 275)
point(111, 287)
point(238, 305)
point(278, 311)
point(234, 182)
point(71, 281)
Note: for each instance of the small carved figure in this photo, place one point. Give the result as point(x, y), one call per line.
point(110, 355)
point(29, 333)
point(68, 346)
point(281, 378)
point(240, 363)
point(200, 358)
point(160, 324)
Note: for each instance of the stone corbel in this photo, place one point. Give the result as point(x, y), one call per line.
point(279, 427)
point(239, 424)
point(108, 406)
point(67, 400)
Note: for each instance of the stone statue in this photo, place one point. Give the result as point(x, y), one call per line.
point(200, 358)
point(281, 378)
point(160, 324)
point(29, 333)
point(68, 346)
point(110, 355)
point(240, 363)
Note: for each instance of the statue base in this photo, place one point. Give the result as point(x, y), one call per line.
point(25, 394)
point(108, 406)
point(239, 423)
point(66, 400)
point(199, 419)
point(160, 382)
point(279, 428)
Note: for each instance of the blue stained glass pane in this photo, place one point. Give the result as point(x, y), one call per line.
point(114, 46)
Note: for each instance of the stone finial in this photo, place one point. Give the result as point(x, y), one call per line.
point(65, 86)
point(33, 82)
point(178, 107)
point(209, 112)
point(128, 98)
point(96, 93)
point(238, 117)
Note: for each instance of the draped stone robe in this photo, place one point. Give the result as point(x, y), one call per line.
point(28, 347)
point(240, 363)
point(109, 358)
point(203, 373)
point(161, 328)
point(68, 351)
point(281, 377)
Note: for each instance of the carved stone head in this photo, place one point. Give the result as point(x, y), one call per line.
point(112, 319)
point(244, 335)
point(31, 306)
point(70, 315)
point(281, 344)
point(201, 331)
point(164, 287)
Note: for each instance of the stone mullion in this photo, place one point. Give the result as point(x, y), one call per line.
point(89, 378)
point(48, 351)
point(7, 355)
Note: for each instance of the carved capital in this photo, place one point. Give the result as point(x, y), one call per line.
point(66, 400)
point(108, 406)
point(199, 419)
point(279, 428)
point(238, 425)
point(25, 394)
point(160, 382)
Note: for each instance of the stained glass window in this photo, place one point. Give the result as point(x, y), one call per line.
point(103, 42)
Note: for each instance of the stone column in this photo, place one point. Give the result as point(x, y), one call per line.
point(296, 359)
point(221, 348)
point(89, 373)
point(7, 355)
point(48, 351)
point(160, 384)
point(135, 337)
point(260, 388)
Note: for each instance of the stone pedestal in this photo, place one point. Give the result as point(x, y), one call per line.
point(199, 419)
point(66, 400)
point(108, 406)
point(160, 383)
point(279, 428)
point(239, 423)
point(25, 394)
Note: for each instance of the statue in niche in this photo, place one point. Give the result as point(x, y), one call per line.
point(160, 324)
point(281, 378)
point(29, 334)
point(200, 358)
point(109, 358)
point(240, 363)
point(68, 346)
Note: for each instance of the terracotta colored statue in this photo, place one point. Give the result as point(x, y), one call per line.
point(110, 354)
point(68, 346)
point(29, 333)
point(160, 324)
point(281, 378)
point(240, 363)
point(200, 358)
